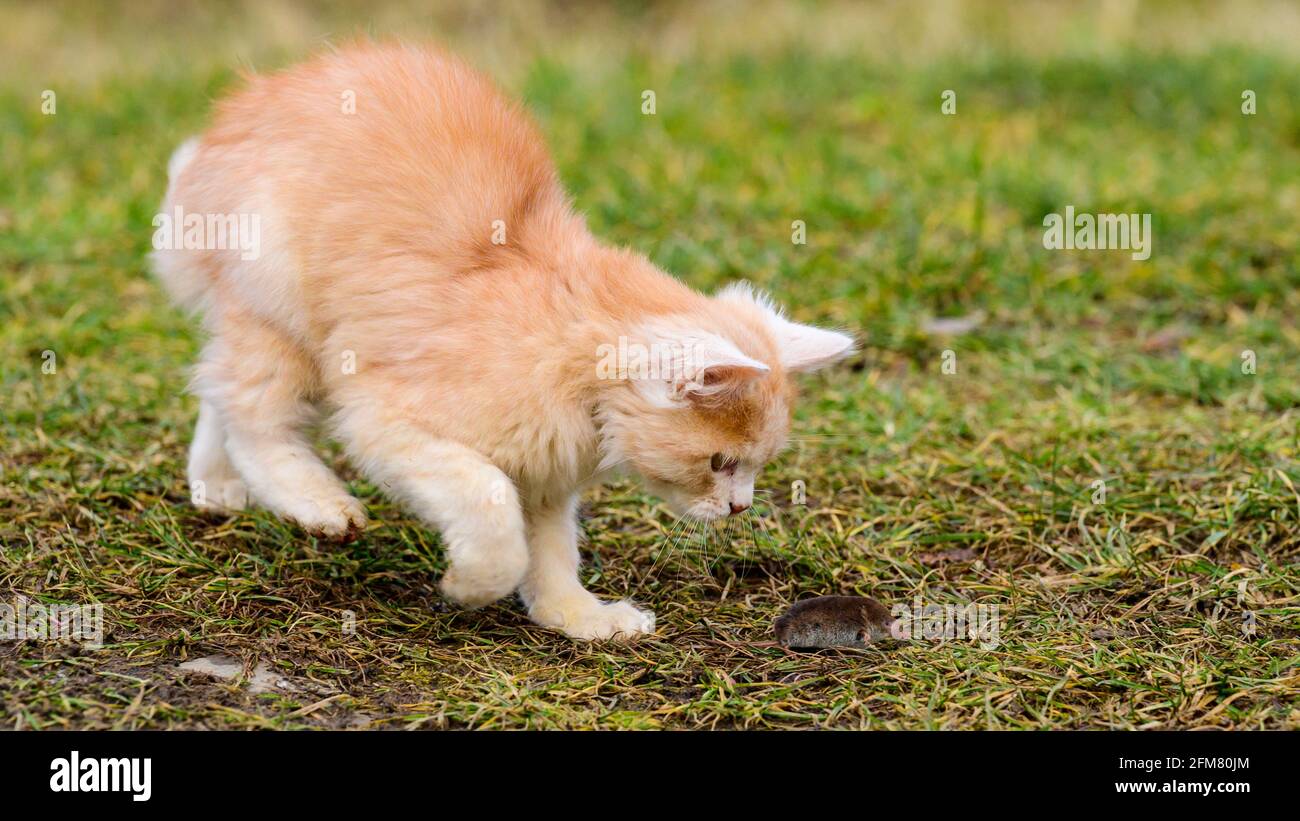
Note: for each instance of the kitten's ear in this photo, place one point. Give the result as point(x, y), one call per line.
point(806, 348)
point(801, 347)
point(697, 366)
point(717, 368)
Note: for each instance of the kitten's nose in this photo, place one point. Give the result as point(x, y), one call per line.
point(736, 507)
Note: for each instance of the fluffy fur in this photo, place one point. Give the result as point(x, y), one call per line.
point(459, 372)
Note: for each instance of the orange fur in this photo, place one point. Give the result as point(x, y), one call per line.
point(377, 232)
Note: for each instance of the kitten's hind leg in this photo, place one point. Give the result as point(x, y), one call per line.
point(259, 382)
point(214, 482)
point(452, 488)
point(552, 592)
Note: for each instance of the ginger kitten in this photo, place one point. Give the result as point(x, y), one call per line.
point(420, 276)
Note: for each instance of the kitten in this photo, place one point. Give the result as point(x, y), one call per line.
point(420, 275)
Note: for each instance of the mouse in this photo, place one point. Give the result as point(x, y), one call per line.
point(834, 621)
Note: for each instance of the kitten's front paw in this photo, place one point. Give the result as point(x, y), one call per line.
point(342, 518)
point(595, 620)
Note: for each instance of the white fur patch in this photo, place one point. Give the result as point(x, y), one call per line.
point(803, 347)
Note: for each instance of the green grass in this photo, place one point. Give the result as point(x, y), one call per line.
point(967, 487)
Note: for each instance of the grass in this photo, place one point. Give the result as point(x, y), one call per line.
point(976, 486)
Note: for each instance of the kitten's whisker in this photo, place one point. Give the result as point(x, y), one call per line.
point(697, 529)
point(600, 470)
point(674, 533)
point(687, 531)
point(724, 541)
point(744, 558)
point(667, 536)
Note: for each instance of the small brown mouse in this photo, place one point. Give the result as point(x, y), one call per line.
point(834, 621)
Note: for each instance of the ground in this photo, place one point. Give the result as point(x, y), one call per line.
point(1099, 459)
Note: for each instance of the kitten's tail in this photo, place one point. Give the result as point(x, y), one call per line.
point(173, 267)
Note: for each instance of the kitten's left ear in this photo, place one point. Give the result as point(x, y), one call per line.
point(805, 348)
point(802, 347)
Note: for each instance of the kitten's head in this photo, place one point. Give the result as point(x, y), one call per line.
point(707, 398)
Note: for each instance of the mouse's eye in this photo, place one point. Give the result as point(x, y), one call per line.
point(723, 464)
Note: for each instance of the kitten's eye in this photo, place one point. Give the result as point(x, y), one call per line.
point(721, 464)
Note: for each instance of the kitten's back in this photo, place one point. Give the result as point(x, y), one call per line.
point(367, 153)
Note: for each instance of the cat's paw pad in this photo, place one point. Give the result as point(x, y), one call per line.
point(617, 621)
